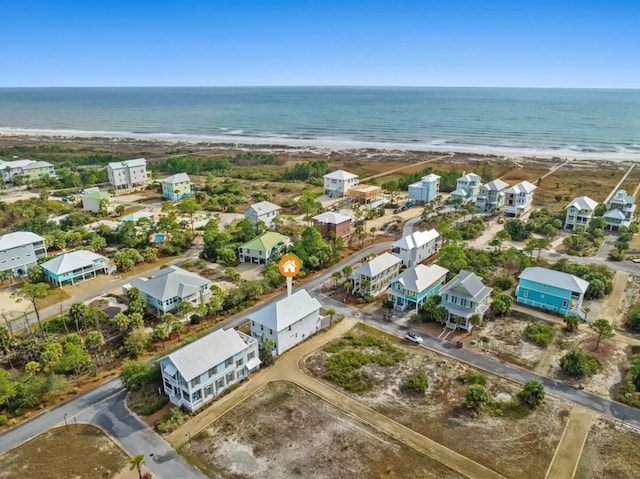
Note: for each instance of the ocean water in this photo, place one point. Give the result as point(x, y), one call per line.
point(579, 123)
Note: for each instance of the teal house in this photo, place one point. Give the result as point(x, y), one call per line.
point(551, 290)
point(412, 288)
point(176, 187)
point(76, 266)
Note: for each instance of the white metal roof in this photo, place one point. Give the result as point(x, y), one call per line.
point(170, 282)
point(583, 203)
point(281, 314)
point(73, 260)
point(262, 208)
point(377, 265)
point(420, 277)
point(340, 175)
point(332, 217)
point(177, 178)
point(496, 185)
point(470, 177)
point(127, 163)
point(19, 238)
point(416, 239)
point(615, 214)
point(557, 279)
point(198, 357)
point(460, 192)
point(522, 187)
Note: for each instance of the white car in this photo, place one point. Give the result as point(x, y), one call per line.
point(413, 337)
point(636, 260)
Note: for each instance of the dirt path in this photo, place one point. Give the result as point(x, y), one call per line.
point(554, 169)
point(545, 362)
point(567, 455)
point(288, 368)
point(610, 308)
point(412, 165)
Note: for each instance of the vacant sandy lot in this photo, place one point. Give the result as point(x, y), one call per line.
point(283, 431)
point(513, 447)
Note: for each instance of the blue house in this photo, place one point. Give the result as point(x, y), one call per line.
point(425, 190)
point(176, 187)
point(76, 266)
point(412, 288)
point(552, 290)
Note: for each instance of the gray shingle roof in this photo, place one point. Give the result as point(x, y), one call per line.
point(420, 277)
point(169, 283)
point(467, 284)
point(377, 265)
point(198, 357)
point(281, 314)
point(557, 279)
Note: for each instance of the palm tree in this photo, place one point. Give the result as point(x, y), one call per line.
point(136, 462)
point(331, 312)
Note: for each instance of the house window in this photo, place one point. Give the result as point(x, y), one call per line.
point(239, 363)
point(195, 381)
point(251, 355)
point(565, 304)
point(196, 396)
point(271, 331)
point(213, 371)
point(525, 293)
point(208, 391)
point(230, 377)
point(219, 384)
point(228, 362)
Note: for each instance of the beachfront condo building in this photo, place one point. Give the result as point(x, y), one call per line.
point(425, 190)
point(518, 199)
point(126, 175)
point(467, 188)
point(19, 252)
point(338, 183)
point(25, 171)
point(579, 213)
point(491, 196)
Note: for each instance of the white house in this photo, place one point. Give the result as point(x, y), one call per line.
point(374, 277)
point(621, 209)
point(125, 175)
point(264, 211)
point(337, 183)
point(93, 198)
point(176, 187)
point(518, 199)
point(20, 251)
point(491, 196)
point(170, 287)
point(425, 190)
point(579, 212)
point(416, 247)
point(467, 188)
point(198, 372)
point(287, 322)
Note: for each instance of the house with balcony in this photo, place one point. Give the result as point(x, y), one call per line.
point(413, 249)
point(76, 266)
point(551, 290)
point(491, 196)
point(198, 372)
point(96, 201)
point(411, 288)
point(20, 251)
point(338, 183)
point(425, 190)
point(264, 211)
point(126, 175)
point(176, 187)
point(26, 170)
point(579, 213)
point(518, 199)
point(464, 296)
point(286, 322)
point(374, 277)
point(170, 287)
point(260, 249)
point(467, 188)
point(621, 209)
point(333, 225)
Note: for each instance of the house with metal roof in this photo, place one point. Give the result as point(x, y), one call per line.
point(621, 210)
point(552, 290)
point(338, 183)
point(467, 188)
point(464, 296)
point(125, 175)
point(96, 201)
point(176, 187)
point(76, 266)
point(264, 211)
point(198, 372)
point(287, 322)
point(374, 277)
point(413, 249)
point(138, 215)
point(20, 251)
point(260, 249)
point(333, 225)
point(411, 288)
point(170, 287)
point(491, 196)
point(425, 190)
point(27, 170)
point(579, 212)
point(518, 200)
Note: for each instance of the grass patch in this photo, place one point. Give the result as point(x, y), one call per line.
point(171, 421)
point(55, 296)
point(417, 383)
point(472, 378)
point(540, 334)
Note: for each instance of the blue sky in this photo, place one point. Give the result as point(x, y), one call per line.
point(518, 43)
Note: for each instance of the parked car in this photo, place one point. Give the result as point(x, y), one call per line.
point(413, 337)
point(636, 260)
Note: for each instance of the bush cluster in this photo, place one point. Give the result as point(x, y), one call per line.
point(540, 334)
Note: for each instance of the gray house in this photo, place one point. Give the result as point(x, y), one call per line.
point(264, 211)
point(464, 296)
point(20, 251)
point(491, 196)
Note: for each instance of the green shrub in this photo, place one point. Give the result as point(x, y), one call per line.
point(135, 375)
point(578, 364)
point(3, 420)
point(540, 334)
point(418, 383)
point(156, 406)
point(473, 378)
point(504, 282)
point(170, 421)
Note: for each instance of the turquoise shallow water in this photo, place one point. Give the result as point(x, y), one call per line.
point(543, 122)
